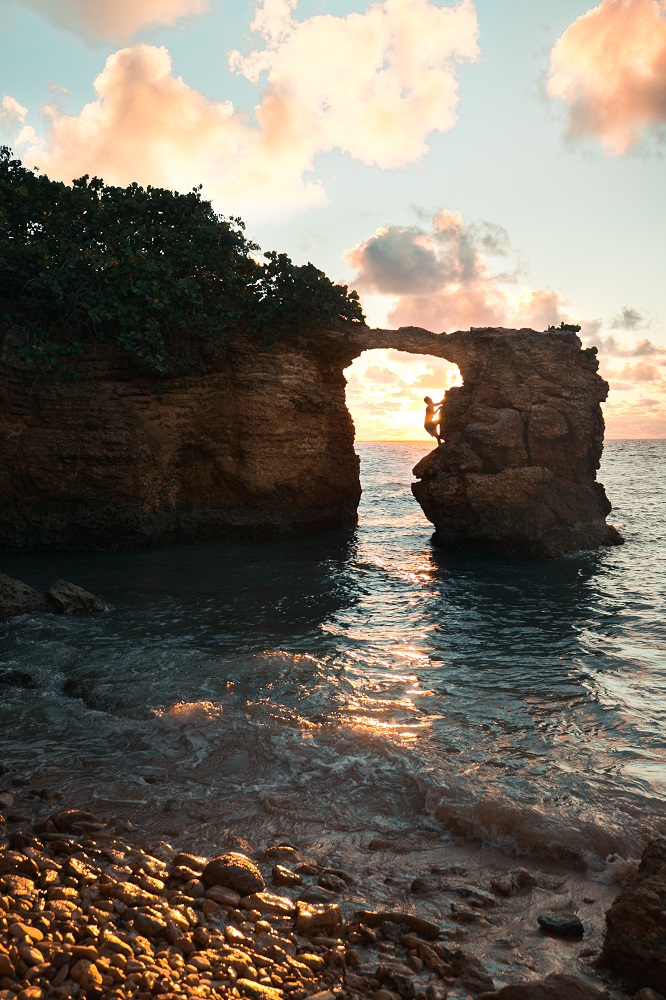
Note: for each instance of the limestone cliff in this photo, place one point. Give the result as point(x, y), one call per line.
point(263, 446)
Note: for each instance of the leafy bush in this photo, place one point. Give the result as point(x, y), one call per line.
point(158, 273)
point(565, 328)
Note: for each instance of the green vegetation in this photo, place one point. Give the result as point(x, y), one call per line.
point(565, 327)
point(158, 273)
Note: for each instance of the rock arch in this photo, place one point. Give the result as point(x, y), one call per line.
point(263, 446)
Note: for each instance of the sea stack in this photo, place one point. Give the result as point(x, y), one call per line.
point(523, 436)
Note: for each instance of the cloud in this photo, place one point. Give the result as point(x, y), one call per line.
point(442, 278)
point(628, 319)
point(147, 125)
point(373, 85)
point(11, 113)
point(610, 346)
point(114, 20)
point(609, 66)
point(641, 372)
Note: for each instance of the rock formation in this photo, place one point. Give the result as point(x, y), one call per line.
point(62, 598)
point(523, 441)
point(263, 446)
point(635, 943)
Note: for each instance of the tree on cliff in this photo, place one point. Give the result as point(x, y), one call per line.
point(159, 273)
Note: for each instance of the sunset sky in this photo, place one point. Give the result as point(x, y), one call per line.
point(458, 163)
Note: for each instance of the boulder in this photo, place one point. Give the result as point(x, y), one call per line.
point(17, 598)
point(67, 599)
point(235, 871)
point(635, 942)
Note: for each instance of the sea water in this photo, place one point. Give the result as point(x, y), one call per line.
point(360, 684)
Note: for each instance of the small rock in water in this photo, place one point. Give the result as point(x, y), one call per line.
point(68, 599)
point(566, 925)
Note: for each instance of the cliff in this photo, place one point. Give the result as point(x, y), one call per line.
point(263, 446)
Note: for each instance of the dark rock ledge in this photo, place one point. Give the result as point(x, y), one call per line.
point(62, 597)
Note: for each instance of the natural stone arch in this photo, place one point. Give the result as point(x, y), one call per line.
point(516, 473)
point(263, 446)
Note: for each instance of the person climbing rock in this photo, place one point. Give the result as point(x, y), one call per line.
point(432, 422)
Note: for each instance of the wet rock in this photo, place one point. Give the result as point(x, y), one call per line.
point(285, 876)
point(555, 987)
point(222, 894)
point(68, 599)
point(395, 981)
point(74, 821)
point(331, 882)
point(424, 886)
point(236, 871)
point(472, 973)
point(313, 917)
point(375, 918)
point(315, 894)
point(564, 925)
point(17, 598)
point(635, 942)
point(267, 902)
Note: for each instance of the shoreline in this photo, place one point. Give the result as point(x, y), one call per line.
point(93, 909)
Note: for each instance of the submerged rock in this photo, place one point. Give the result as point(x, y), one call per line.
point(635, 942)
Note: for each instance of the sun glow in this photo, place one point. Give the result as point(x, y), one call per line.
point(385, 391)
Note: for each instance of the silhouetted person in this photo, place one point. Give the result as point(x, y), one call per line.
point(432, 418)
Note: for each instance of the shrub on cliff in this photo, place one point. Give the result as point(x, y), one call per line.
point(159, 273)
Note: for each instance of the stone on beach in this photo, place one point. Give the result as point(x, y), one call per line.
point(565, 925)
point(236, 871)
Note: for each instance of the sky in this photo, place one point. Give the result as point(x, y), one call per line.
point(459, 163)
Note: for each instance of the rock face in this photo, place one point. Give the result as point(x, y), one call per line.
point(263, 446)
point(523, 440)
point(635, 943)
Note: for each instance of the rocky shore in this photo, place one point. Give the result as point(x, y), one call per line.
point(88, 912)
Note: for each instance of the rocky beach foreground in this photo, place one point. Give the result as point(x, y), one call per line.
point(88, 911)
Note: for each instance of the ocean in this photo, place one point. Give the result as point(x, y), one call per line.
point(360, 687)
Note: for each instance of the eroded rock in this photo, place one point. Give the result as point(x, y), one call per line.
point(635, 942)
point(523, 440)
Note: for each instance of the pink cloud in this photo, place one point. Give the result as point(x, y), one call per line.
point(442, 279)
point(609, 66)
point(116, 20)
point(374, 85)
